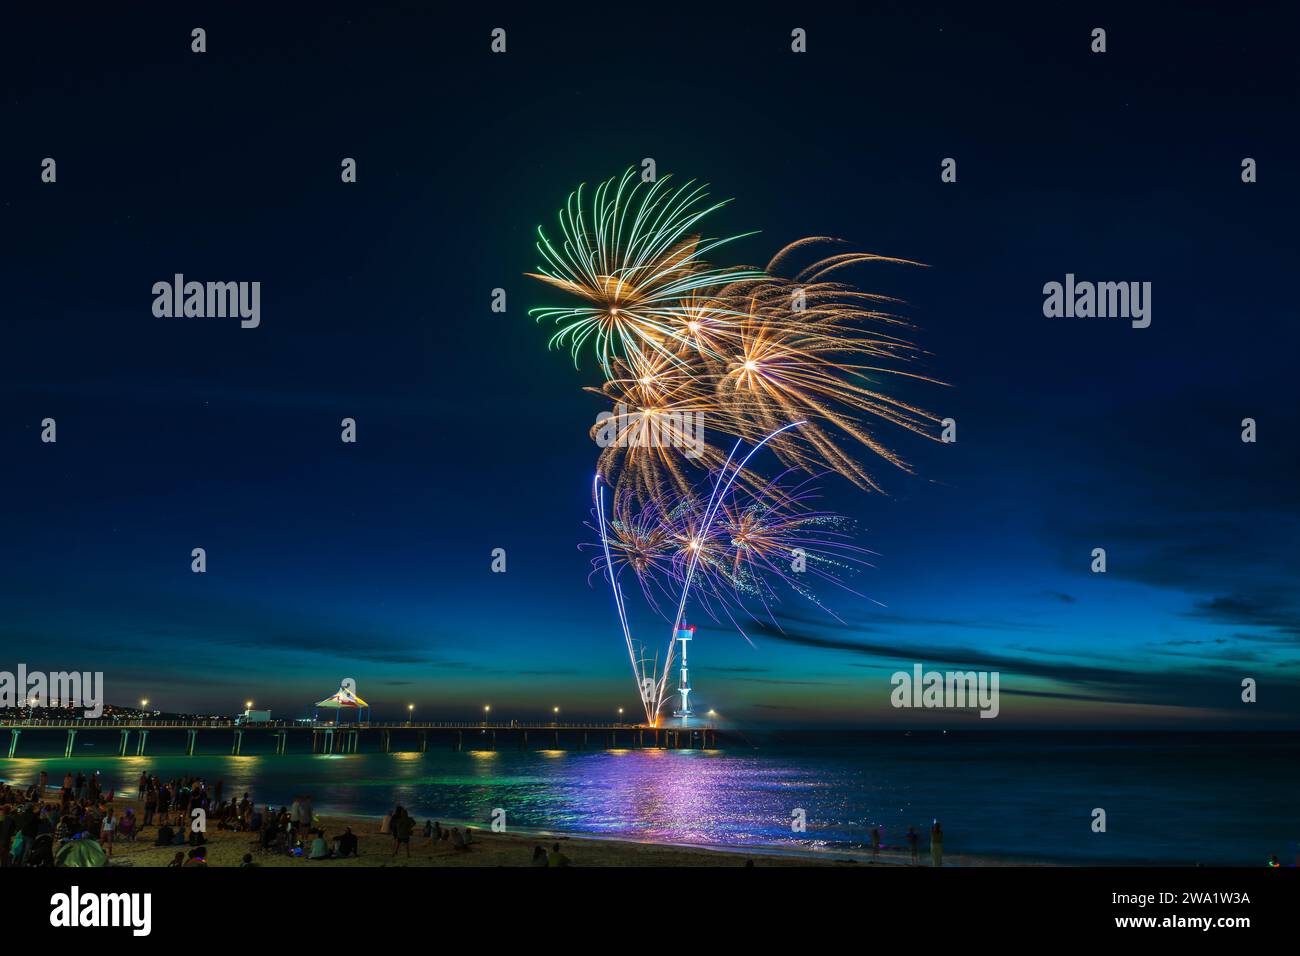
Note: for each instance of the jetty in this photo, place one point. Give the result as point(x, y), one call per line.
point(352, 738)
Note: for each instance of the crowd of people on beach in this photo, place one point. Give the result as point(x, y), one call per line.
point(77, 830)
point(81, 826)
point(401, 827)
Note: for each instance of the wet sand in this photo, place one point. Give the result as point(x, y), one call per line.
point(226, 848)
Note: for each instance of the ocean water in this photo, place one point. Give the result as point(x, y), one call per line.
point(1169, 798)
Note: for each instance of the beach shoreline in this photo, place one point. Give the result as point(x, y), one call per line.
point(227, 848)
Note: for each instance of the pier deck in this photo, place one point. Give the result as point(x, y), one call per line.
point(371, 737)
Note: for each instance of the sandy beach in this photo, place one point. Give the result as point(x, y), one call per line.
point(226, 848)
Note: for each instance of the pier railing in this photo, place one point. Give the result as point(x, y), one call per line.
point(135, 723)
point(331, 738)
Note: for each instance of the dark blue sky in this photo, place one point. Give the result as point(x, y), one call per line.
point(371, 560)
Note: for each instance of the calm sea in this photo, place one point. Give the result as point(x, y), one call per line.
point(1169, 798)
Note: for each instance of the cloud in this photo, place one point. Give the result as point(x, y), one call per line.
point(1263, 609)
point(783, 681)
point(1059, 596)
point(1124, 682)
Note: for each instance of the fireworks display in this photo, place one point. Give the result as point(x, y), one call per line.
point(634, 258)
point(760, 543)
point(696, 357)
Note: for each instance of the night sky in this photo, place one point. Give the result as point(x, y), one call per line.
point(372, 561)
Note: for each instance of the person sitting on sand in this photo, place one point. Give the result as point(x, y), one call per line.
point(458, 840)
point(197, 857)
point(556, 858)
point(247, 862)
point(539, 856)
point(347, 843)
point(177, 860)
point(319, 848)
point(165, 834)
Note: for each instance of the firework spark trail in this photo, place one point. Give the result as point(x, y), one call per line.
point(613, 583)
point(652, 714)
point(749, 552)
point(806, 348)
point(658, 429)
point(714, 501)
point(758, 537)
point(640, 541)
